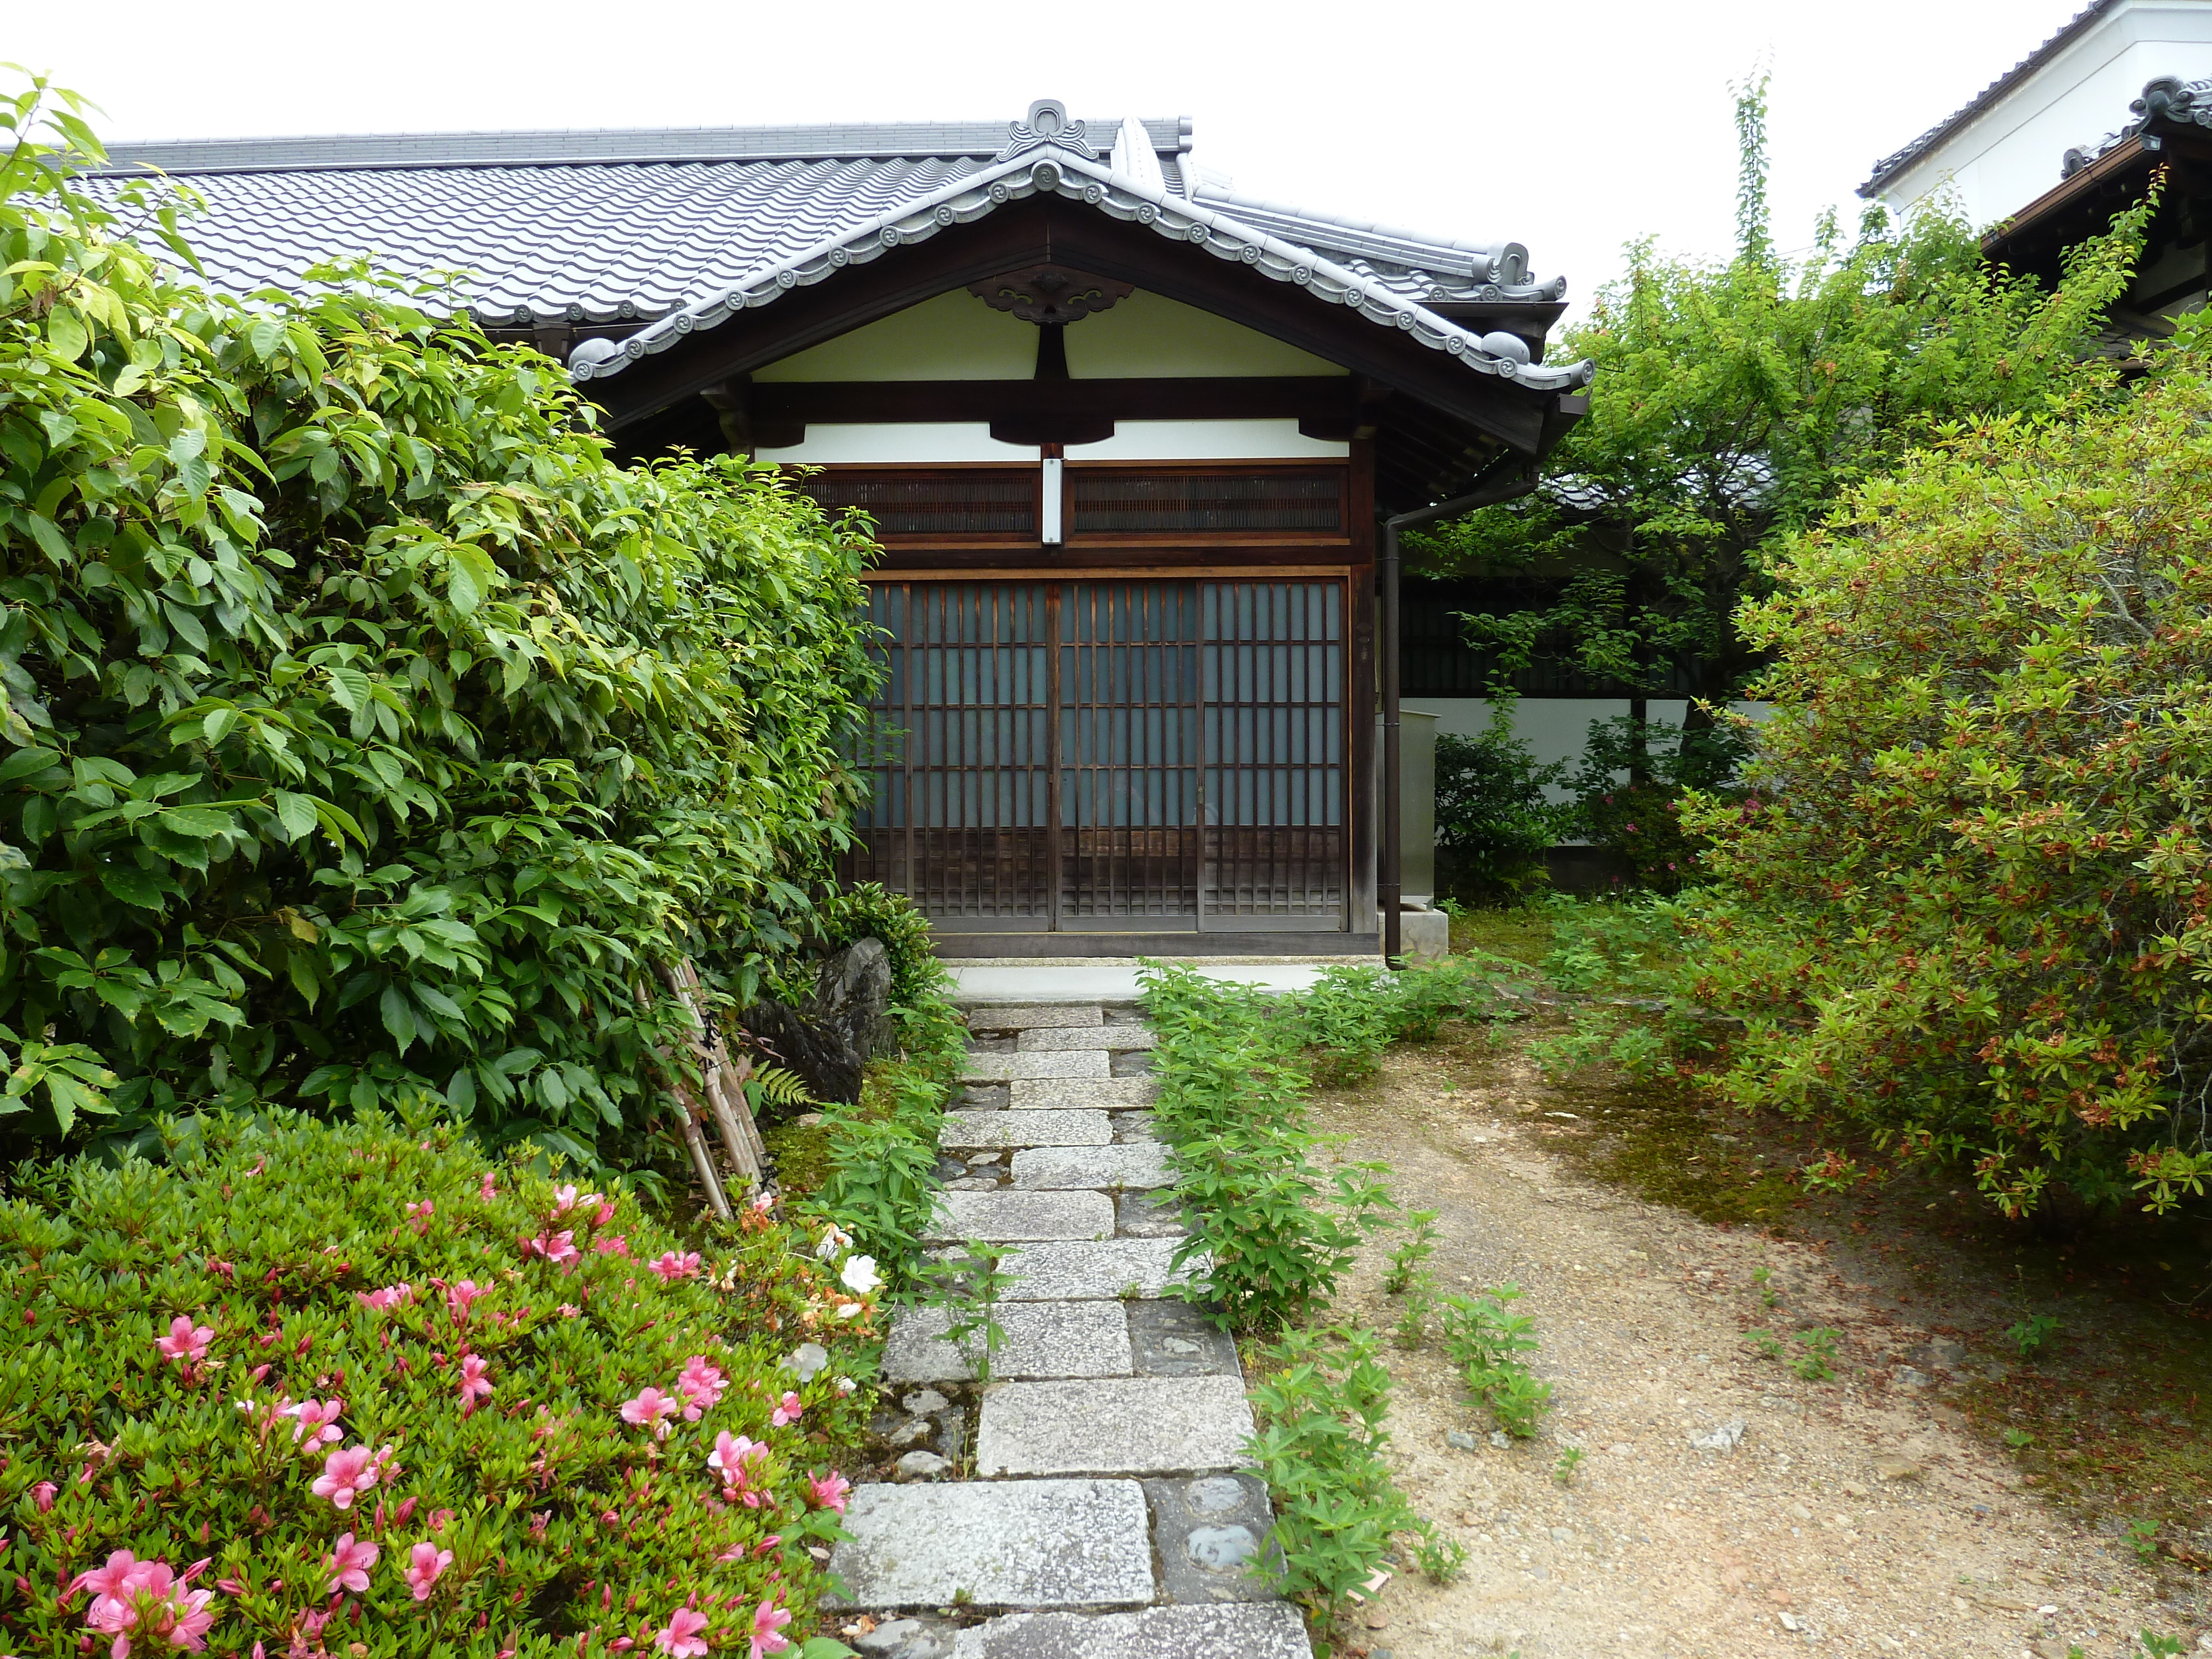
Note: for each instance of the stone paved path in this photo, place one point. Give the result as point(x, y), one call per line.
point(1105, 1516)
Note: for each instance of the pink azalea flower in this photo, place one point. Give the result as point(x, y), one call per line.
point(789, 1412)
point(555, 1248)
point(768, 1620)
point(679, 1636)
point(349, 1564)
point(827, 1491)
point(474, 1383)
point(672, 1266)
point(570, 1310)
point(391, 1296)
point(346, 1474)
point(460, 1295)
point(738, 1461)
point(420, 1215)
point(427, 1562)
point(650, 1409)
point(186, 1344)
point(107, 1583)
point(606, 1214)
point(488, 1191)
point(314, 1421)
point(702, 1386)
point(144, 1600)
point(612, 1244)
point(43, 1496)
point(564, 1199)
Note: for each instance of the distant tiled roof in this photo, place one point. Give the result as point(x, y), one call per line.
point(1891, 165)
point(677, 228)
point(2167, 101)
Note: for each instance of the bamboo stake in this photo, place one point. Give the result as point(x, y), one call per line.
point(733, 1117)
point(702, 1160)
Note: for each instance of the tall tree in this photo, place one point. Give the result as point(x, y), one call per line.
point(1734, 401)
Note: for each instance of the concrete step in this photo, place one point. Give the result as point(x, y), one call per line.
point(1032, 1544)
point(1253, 1630)
point(1005, 1215)
point(1142, 1165)
point(987, 1130)
point(1042, 1340)
point(1104, 1271)
point(1116, 1039)
point(1118, 1426)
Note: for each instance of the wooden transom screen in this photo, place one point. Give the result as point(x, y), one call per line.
point(1131, 756)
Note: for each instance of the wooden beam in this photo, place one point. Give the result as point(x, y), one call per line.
point(902, 402)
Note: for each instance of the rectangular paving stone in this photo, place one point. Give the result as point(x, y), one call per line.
point(1271, 1629)
point(1073, 1016)
point(988, 1129)
point(1005, 1215)
point(1000, 1544)
point(1208, 1531)
point(1100, 1271)
point(1148, 1215)
point(1042, 1340)
point(1117, 1038)
point(1072, 1062)
point(1173, 1338)
point(1113, 1425)
point(1137, 1164)
point(983, 1067)
point(1033, 1094)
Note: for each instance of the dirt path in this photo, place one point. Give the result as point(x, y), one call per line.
point(1857, 1515)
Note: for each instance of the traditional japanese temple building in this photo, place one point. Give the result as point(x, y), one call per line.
point(1132, 442)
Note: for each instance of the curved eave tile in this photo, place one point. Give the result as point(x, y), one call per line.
point(1077, 178)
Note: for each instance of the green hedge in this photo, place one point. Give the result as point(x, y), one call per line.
point(370, 732)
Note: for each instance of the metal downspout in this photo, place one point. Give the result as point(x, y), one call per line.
point(1489, 489)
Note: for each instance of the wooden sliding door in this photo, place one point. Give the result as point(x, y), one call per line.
point(1134, 757)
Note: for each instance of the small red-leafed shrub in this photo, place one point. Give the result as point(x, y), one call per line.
point(355, 1389)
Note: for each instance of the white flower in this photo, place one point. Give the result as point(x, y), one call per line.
point(848, 1309)
point(846, 1385)
point(835, 1240)
point(861, 1276)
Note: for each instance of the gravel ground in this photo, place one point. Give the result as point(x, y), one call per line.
point(1857, 1514)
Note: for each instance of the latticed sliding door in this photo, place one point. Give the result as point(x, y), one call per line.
point(1131, 756)
point(960, 765)
point(1128, 756)
point(1272, 679)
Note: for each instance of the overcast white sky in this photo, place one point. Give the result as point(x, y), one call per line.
point(1571, 125)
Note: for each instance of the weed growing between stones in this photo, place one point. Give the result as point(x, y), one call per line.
point(1278, 1232)
point(970, 1286)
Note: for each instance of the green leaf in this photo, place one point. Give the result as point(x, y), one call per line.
point(398, 1016)
point(218, 725)
point(133, 885)
point(26, 762)
point(66, 336)
point(349, 687)
point(295, 813)
point(472, 576)
point(825, 1647)
point(203, 822)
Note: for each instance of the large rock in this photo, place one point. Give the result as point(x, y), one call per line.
point(845, 1023)
point(853, 998)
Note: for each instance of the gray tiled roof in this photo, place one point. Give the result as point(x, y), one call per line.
point(2167, 101)
point(676, 228)
point(1896, 163)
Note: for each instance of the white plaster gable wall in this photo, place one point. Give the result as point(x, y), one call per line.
point(955, 336)
point(2010, 153)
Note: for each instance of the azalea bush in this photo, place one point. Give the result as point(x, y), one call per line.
point(368, 736)
point(356, 1388)
point(1965, 901)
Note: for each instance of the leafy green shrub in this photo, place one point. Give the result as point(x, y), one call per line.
point(352, 1383)
point(1965, 901)
point(373, 735)
point(1321, 1401)
point(1487, 1341)
point(1495, 820)
point(1629, 786)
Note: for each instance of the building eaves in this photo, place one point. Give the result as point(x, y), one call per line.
point(1064, 173)
point(1891, 165)
point(391, 152)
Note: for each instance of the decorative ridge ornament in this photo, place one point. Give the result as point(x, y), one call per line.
point(1050, 295)
point(1047, 125)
